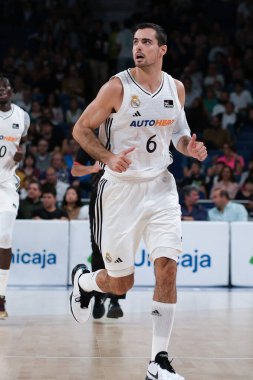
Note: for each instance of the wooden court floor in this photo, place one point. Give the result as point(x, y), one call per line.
point(212, 337)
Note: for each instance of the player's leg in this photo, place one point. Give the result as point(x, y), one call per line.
point(96, 259)
point(7, 220)
point(117, 236)
point(163, 239)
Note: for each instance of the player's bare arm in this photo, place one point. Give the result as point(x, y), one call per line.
point(189, 146)
point(108, 100)
point(79, 170)
point(20, 154)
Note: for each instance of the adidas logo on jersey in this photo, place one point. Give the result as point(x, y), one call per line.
point(118, 261)
point(15, 126)
point(136, 114)
point(156, 313)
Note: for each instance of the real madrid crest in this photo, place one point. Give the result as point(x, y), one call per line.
point(108, 257)
point(135, 101)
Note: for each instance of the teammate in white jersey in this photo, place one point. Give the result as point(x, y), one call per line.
point(141, 110)
point(14, 123)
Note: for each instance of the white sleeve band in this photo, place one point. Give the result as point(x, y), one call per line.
point(181, 128)
point(27, 123)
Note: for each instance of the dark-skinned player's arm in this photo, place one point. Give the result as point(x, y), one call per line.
point(182, 139)
point(108, 100)
point(21, 149)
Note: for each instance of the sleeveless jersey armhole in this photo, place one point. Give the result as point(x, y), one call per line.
point(173, 87)
point(126, 94)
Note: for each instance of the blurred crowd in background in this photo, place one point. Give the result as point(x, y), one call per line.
point(60, 53)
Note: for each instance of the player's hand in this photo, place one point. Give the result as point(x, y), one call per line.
point(19, 155)
point(96, 167)
point(197, 149)
point(120, 162)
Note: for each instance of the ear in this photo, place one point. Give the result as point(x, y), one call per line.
point(163, 49)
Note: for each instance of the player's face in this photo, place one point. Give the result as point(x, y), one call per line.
point(146, 50)
point(5, 91)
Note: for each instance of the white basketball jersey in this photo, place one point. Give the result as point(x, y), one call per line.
point(13, 126)
point(146, 122)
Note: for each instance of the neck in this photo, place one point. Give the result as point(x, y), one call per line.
point(149, 77)
point(50, 208)
point(5, 107)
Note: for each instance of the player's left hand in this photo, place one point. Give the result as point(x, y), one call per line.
point(197, 149)
point(19, 155)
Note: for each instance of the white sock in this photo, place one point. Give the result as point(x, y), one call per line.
point(163, 318)
point(4, 275)
point(88, 282)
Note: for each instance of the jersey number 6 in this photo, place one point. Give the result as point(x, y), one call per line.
point(151, 144)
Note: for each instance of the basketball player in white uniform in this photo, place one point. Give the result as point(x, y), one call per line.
point(142, 111)
point(14, 123)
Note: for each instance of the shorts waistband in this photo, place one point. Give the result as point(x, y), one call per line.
point(112, 178)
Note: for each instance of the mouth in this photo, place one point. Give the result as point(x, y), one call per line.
point(139, 56)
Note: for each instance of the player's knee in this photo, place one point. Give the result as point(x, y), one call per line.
point(165, 270)
point(5, 240)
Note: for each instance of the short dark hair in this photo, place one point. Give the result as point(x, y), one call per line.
point(160, 32)
point(9, 77)
point(187, 190)
point(49, 189)
point(223, 193)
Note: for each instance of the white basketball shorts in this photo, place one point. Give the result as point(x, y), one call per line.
point(125, 212)
point(9, 202)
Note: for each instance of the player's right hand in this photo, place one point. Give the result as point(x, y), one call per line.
point(120, 162)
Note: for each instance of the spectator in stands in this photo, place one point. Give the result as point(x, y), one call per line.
point(213, 76)
point(125, 45)
point(230, 157)
point(54, 106)
point(213, 173)
point(74, 112)
point(58, 163)
point(226, 181)
point(74, 84)
point(97, 44)
point(51, 179)
point(49, 209)
point(225, 210)
point(29, 169)
point(241, 98)
point(32, 202)
point(197, 116)
point(246, 191)
point(190, 93)
point(210, 100)
point(191, 210)
point(72, 204)
point(43, 157)
point(52, 134)
point(229, 119)
point(214, 136)
point(193, 176)
point(36, 111)
point(219, 108)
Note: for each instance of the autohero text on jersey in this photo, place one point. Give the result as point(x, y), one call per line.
point(151, 123)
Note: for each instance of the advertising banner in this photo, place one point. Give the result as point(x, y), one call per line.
point(80, 246)
point(40, 253)
point(242, 253)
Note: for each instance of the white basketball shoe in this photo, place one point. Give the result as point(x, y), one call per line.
point(161, 369)
point(80, 300)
